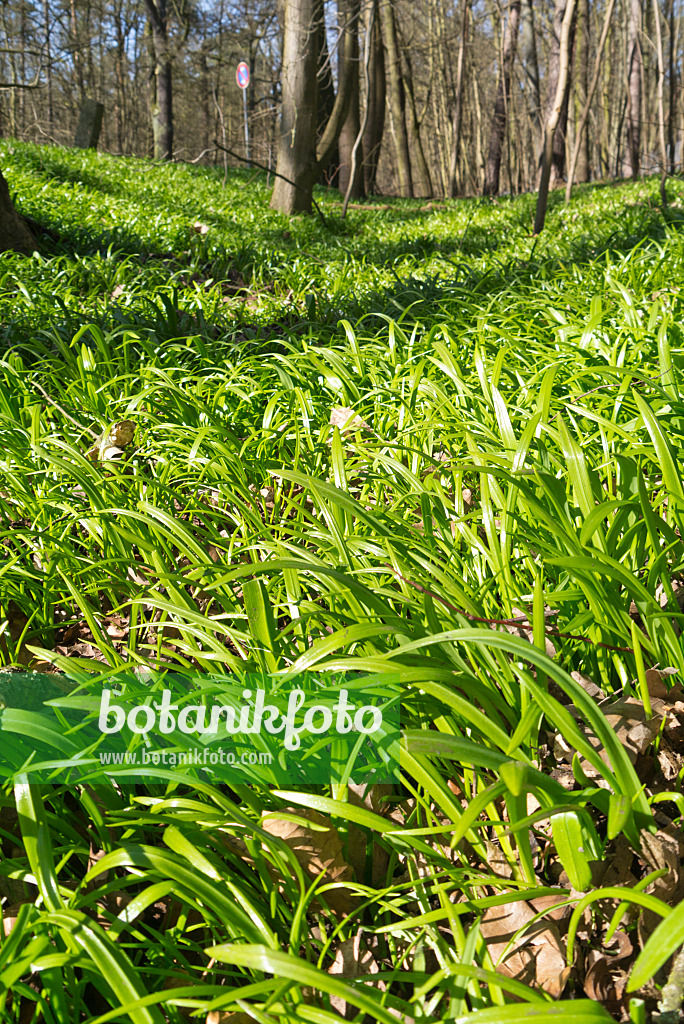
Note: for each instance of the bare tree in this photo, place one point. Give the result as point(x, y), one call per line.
point(375, 102)
point(590, 96)
point(528, 52)
point(557, 171)
point(554, 115)
point(420, 172)
point(458, 103)
point(634, 88)
point(396, 97)
point(300, 158)
point(163, 52)
point(582, 86)
point(352, 122)
point(661, 105)
point(671, 115)
point(503, 100)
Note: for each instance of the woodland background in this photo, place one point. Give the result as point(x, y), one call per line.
point(467, 78)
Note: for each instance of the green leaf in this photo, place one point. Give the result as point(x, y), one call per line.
point(569, 839)
point(666, 940)
point(283, 965)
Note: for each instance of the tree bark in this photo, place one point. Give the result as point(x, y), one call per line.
point(554, 115)
point(397, 98)
point(326, 96)
point(299, 108)
point(528, 52)
point(557, 171)
point(589, 99)
point(634, 88)
point(420, 172)
point(458, 107)
point(503, 98)
point(661, 104)
point(161, 108)
point(375, 103)
point(48, 62)
point(76, 50)
point(14, 232)
point(582, 87)
point(300, 159)
point(352, 122)
point(673, 88)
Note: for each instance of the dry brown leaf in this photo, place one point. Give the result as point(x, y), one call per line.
point(628, 719)
point(669, 760)
point(346, 419)
point(588, 685)
point(228, 1017)
point(536, 957)
point(655, 684)
point(664, 850)
point(549, 906)
point(9, 917)
point(116, 628)
point(318, 850)
point(497, 861)
point(605, 979)
point(527, 633)
point(353, 960)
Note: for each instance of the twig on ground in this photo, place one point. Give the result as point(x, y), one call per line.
point(63, 411)
point(550, 630)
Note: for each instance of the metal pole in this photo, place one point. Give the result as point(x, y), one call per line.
point(244, 104)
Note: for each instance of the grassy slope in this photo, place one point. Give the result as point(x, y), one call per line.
point(521, 451)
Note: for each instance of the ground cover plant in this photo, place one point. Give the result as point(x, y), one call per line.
point(431, 445)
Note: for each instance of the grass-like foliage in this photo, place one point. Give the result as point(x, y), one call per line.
point(436, 447)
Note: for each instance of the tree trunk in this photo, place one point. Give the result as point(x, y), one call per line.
point(528, 52)
point(502, 103)
point(582, 87)
point(661, 104)
point(634, 88)
point(48, 62)
point(300, 159)
point(557, 171)
point(375, 103)
point(589, 98)
point(76, 50)
point(352, 122)
point(299, 108)
point(14, 233)
point(397, 99)
point(673, 89)
point(479, 159)
point(119, 111)
point(161, 108)
point(326, 96)
point(458, 108)
point(420, 173)
point(554, 115)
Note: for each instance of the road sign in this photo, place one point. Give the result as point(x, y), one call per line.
point(242, 75)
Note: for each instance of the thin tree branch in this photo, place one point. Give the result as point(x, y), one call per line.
point(264, 167)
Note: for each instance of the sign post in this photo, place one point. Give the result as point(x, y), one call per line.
point(242, 79)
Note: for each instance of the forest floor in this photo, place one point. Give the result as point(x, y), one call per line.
point(417, 443)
